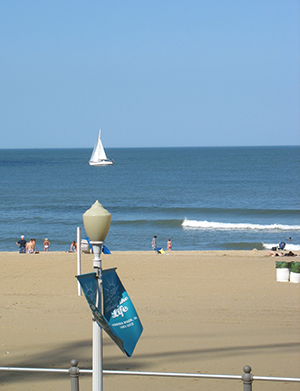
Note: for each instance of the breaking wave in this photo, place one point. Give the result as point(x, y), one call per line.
point(194, 224)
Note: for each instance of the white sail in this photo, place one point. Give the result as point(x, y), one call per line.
point(98, 156)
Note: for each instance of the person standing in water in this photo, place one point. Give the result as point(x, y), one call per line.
point(153, 243)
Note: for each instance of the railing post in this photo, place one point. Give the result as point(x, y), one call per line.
point(74, 374)
point(247, 378)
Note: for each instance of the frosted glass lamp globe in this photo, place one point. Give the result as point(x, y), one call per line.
point(96, 221)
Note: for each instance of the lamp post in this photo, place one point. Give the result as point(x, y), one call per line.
point(96, 222)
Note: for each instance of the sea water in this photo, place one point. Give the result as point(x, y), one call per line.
point(236, 198)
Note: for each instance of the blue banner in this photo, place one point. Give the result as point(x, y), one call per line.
point(120, 320)
point(119, 311)
point(89, 285)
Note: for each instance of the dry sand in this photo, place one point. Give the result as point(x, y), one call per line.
point(202, 312)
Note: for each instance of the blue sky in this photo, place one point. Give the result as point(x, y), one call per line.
point(149, 73)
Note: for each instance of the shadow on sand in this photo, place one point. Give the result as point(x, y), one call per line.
point(82, 351)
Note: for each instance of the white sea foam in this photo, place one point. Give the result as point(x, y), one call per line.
point(237, 226)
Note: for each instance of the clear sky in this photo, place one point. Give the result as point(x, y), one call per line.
point(149, 73)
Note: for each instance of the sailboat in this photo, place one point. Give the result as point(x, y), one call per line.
point(98, 156)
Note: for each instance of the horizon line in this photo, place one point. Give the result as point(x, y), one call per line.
point(174, 147)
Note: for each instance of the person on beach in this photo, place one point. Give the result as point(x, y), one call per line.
point(290, 254)
point(275, 254)
point(73, 247)
point(30, 247)
point(36, 251)
point(153, 243)
point(46, 244)
point(22, 244)
point(169, 245)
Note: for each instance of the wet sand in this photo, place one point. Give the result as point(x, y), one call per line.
point(202, 312)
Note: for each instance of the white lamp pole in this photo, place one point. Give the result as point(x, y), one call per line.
point(96, 222)
point(79, 257)
point(97, 330)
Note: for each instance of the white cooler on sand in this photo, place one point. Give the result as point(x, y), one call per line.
point(283, 271)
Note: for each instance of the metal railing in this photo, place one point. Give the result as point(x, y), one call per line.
point(74, 372)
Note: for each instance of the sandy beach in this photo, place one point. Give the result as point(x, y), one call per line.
point(202, 312)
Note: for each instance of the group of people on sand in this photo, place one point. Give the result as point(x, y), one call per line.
point(30, 247)
point(154, 245)
point(281, 246)
point(281, 254)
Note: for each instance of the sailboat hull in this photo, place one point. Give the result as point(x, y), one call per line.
point(101, 163)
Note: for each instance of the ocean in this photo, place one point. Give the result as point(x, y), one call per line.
point(221, 198)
